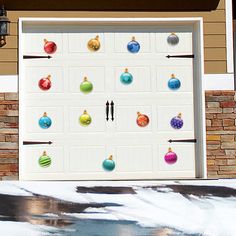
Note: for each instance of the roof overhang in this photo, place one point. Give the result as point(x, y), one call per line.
point(111, 5)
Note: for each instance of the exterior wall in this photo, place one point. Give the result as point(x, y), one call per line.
point(214, 34)
point(9, 136)
point(221, 134)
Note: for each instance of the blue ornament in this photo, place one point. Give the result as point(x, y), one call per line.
point(133, 46)
point(45, 122)
point(109, 164)
point(177, 122)
point(174, 83)
point(126, 78)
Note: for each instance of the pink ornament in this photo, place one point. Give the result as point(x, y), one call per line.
point(170, 157)
point(49, 47)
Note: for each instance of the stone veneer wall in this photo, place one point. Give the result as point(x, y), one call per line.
point(221, 134)
point(8, 136)
point(220, 125)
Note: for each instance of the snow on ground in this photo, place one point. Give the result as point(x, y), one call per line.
point(211, 216)
point(9, 228)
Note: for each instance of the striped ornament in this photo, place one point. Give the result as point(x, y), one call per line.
point(45, 160)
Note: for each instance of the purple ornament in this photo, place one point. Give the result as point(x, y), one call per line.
point(177, 122)
point(170, 157)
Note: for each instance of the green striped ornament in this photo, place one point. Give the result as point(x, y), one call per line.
point(45, 160)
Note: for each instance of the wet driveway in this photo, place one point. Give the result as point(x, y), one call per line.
point(151, 210)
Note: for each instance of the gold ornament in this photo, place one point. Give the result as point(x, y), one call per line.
point(94, 44)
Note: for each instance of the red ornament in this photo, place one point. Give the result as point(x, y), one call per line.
point(49, 47)
point(142, 120)
point(45, 83)
point(170, 157)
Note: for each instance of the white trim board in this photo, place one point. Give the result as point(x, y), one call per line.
point(9, 83)
point(229, 36)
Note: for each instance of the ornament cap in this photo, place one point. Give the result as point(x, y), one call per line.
point(173, 33)
point(169, 149)
point(138, 113)
point(45, 114)
point(44, 153)
point(133, 38)
point(126, 70)
point(97, 37)
point(110, 157)
point(45, 40)
point(179, 115)
point(49, 77)
point(85, 112)
point(85, 79)
point(172, 75)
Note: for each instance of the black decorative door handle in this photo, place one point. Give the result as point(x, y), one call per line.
point(181, 56)
point(182, 140)
point(35, 57)
point(36, 142)
point(112, 110)
point(107, 111)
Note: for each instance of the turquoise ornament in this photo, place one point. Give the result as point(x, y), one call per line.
point(133, 46)
point(174, 83)
point(126, 78)
point(45, 122)
point(108, 164)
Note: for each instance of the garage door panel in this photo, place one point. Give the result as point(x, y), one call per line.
point(184, 74)
point(88, 158)
point(141, 79)
point(167, 113)
point(54, 165)
point(79, 38)
point(184, 45)
point(185, 160)
point(134, 158)
point(97, 114)
point(126, 118)
point(35, 74)
point(94, 74)
point(33, 115)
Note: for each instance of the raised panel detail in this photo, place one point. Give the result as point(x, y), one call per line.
point(134, 158)
point(32, 155)
point(141, 79)
point(86, 158)
point(33, 114)
point(34, 74)
point(95, 74)
point(97, 114)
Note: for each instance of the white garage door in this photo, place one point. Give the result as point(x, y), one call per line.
point(109, 100)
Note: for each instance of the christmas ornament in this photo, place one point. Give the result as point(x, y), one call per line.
point(94, 44)
point(170, 157)
point(49, 47)
point(85, 119)
point(45, 122)
point(86, 86)
point(45, 160)
point(126, 78)
point(133, 46)
point(108, 164)
point(177, 122)
point(174, 83)
point(45, 83)
point(173, 39)
point(142, 120)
